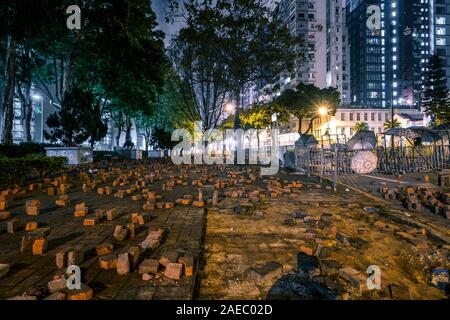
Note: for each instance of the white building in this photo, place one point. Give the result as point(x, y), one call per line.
point(345, 120)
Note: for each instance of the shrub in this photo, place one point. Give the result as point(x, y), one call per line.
point(18, 170)
point(23, 149)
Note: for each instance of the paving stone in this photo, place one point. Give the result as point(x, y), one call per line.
point(120, 233)
point(14, 225)
point(112, 214)
point(104, 249)
point(167, 257)
point(123, 264)
point(188, 263)
point(4, 215)
point(57, 296)
point(266, 272)
point(150, 266)
point(4, 269)
point(31, 226)
point(57, 285)
point(39, 246)
point(108, 261)
point(354, 277)
point(85, 293)
point(173, 271)
point(75, 256)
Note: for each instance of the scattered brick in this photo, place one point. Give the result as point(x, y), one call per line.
point(4, 269)
point(39, 246)
point(188, 263)
point(149, 266)
point(168, 257)
point(354, 277)
point(120, 233)
point(4, 215)
point(173, 271)
point(104, 249)
point(85, 293)
point(108, 261)
point(123, 264)
point(112, 214)
point(14, 225)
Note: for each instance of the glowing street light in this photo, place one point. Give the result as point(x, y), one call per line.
point(229, 108)
point(323, 111)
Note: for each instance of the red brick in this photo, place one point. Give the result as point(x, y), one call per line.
point(174, 271)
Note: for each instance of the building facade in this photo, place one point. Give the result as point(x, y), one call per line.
point(440, 31)
point(388, 65)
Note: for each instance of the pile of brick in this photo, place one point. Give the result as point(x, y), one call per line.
point(415, 198)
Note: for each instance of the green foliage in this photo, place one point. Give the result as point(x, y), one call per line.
point(22, 149)
point(162, 139)
point(258, 117)
point(305, 101)
point(361, 126)
point(77, 120)
point(391, 124)
point(224, 46)
point(435, 97)
point(17, 170)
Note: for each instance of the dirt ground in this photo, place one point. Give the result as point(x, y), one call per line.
point(236, 243)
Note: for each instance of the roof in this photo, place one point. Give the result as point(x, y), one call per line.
point(412, 116)
point(306, 140)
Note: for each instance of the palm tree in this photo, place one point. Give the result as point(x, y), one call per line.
point(392, 124)
point(361, 126)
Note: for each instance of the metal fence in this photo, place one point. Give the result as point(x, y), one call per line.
point(327, 162)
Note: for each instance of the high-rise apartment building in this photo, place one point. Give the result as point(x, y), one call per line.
point(440, 31)
point(321, 25)
point(388, 65)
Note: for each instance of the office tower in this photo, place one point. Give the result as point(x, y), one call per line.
point(440, 31)
point(389, 65)
point(320, 24)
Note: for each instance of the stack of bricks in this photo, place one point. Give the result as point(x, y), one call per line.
point(34, 242)
point(200, 202)
point(4, 204)
point(151, 201)
point(153, 239)
point(94, 219)
point(63, 201)
point(389, 194)
point(33, 207)
point(409, 198)
point(81, 210)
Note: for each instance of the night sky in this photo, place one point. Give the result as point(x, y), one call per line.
point(160, 7)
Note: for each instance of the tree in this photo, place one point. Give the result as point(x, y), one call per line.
point(225, 47)
point(118, 56)
point(435, 97)
point(392, 124)
point(69, 125)
point(21, 22)
point(257, 117)
point(198, 59)
point(361, 126)
point(305, 101)
point(97, 126)
point(162, 139)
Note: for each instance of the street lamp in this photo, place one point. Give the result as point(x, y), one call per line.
point(323, 111)
point(229, 108)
